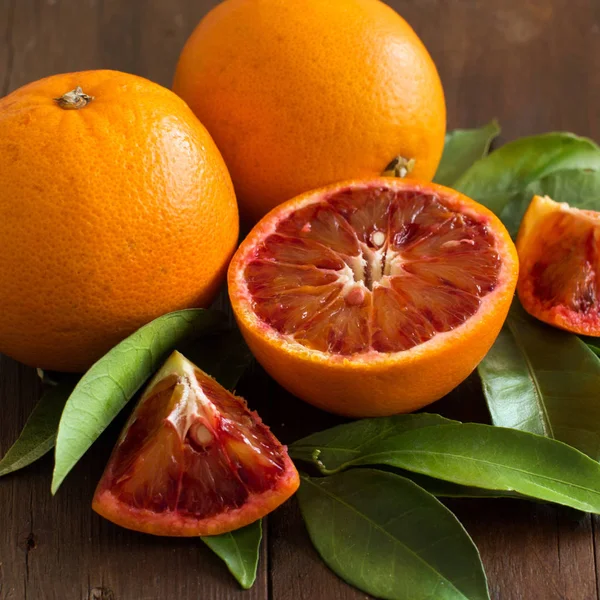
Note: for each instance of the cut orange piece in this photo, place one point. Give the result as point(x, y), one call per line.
point(559, 250)
point(375, 297)
point(193, 460)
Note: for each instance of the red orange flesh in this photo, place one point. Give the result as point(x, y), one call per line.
point(346, 290)
point(559, 248)
point(193, 460)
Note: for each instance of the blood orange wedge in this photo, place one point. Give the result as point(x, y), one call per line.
point(559, 250)
point(193, 460)
point(374, 297)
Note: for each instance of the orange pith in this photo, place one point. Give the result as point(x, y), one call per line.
point(559, 248)
point(373, 297)
point(193, 460)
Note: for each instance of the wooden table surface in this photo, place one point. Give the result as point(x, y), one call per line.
point(533, 64)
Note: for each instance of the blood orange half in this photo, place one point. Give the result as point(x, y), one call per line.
point(559, 250)
point(375, 297)
point(193, 460)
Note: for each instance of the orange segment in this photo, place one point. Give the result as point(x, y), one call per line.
point(373, 297)
point(193, 460)
point(303, 93)
point(397, 326)
point(559, 248)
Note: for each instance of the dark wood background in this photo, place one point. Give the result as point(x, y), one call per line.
point(533, 64)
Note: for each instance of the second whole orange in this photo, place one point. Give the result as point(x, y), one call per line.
point(373, 297)
point(302, 93)
point(116, 207)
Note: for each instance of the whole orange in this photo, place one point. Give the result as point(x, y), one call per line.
point(115, 207)
point(302, 93)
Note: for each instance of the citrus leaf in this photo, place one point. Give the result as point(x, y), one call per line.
point(39, 434)
point(545, 381)
point(388, 537)
point(462, 148)
point(580, 189)
point(484, 456)
point(593, 344)
point(345, 442)
point(110, 383)
point(497, 179)
point(239, 550)
point(446, 489)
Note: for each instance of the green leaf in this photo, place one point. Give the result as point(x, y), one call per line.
point(464, 147)
point(594, 349)
point(446, 489)
point(110, 383)
point(240, 551)
point(498, 178)
point(580, 189)
point(592, 343)
point(484, 456)
point(344, 442)
point(545, 381)
point(39, 434)
point(388, 537)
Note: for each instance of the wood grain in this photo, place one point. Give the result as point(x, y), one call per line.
point(533, 64)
